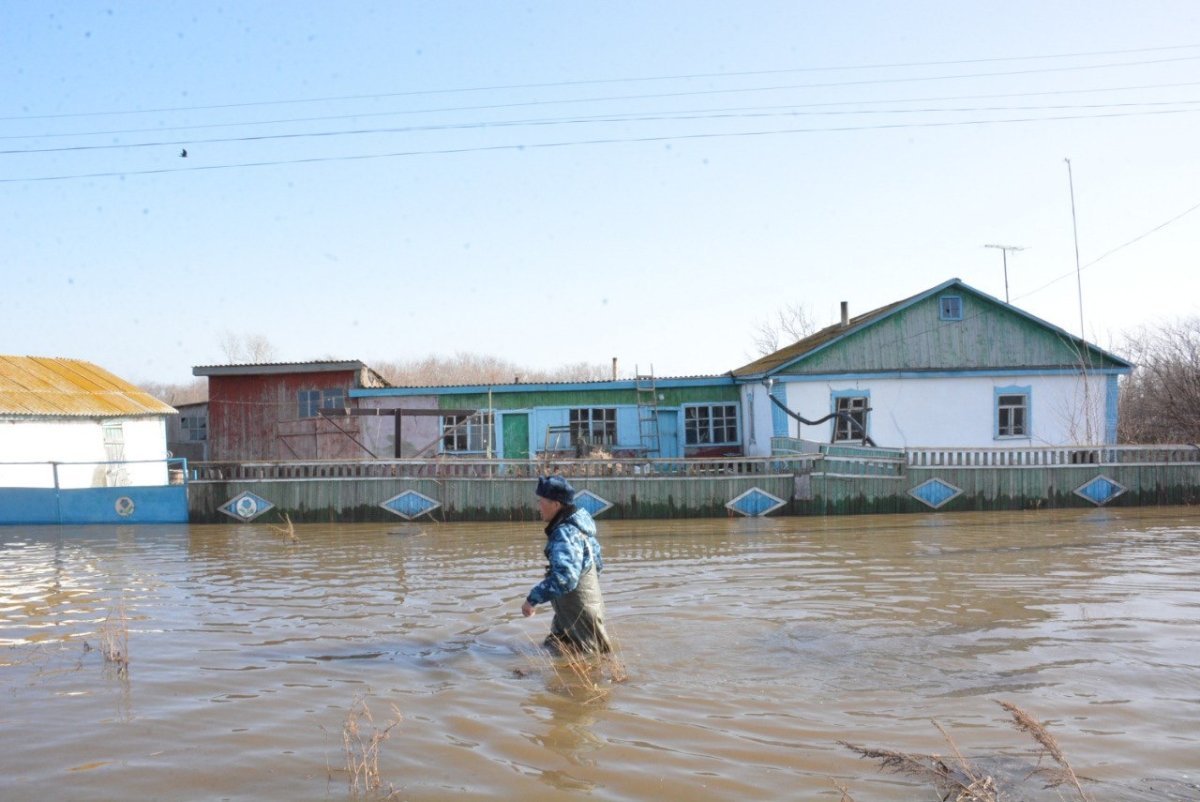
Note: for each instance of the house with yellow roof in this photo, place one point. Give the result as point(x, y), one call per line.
point(81, 445)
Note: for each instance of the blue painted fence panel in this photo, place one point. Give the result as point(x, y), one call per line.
point(94, 505)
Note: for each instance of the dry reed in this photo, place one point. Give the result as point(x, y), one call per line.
point(577, 674)
point(289, 533)
point(959, 779)
point(361, 742)
point(1064, 774)
point(114, 637)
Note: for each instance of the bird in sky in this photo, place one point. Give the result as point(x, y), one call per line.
point(183, 153)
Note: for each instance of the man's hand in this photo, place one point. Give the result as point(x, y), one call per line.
point(526, 609)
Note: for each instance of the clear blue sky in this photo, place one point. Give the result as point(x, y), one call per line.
point(556, 182)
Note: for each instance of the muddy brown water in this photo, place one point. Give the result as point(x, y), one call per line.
point(752, 647)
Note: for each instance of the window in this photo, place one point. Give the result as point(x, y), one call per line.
point(333, 399)
point(462, 433)
point(1012, 412)
point(313, 400)
point(950, 307)
point(195, 428)
point(114, 452)
point(710, 425)
point(114, 442)
point(594, 426)
point(851, 422)
point(310, 400)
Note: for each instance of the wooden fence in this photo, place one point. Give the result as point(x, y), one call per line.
point(805, 478)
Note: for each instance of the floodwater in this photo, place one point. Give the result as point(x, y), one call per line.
point(751, 648)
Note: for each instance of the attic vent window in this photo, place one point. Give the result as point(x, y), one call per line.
point(951, 307)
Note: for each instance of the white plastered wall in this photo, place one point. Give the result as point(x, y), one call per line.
point(950, 412)
point(81, 440)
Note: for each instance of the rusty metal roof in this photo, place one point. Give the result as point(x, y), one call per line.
point(51, 386)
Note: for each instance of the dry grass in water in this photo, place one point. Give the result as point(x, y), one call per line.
point(114, 637)
point(1063, 774)
point(361, 742)
point(957, 778)
point(288, 532)
point(587, 677)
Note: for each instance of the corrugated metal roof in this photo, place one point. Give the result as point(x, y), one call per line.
point(51, 386)
point(264, 368)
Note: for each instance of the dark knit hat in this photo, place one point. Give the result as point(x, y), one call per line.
point(555, 488)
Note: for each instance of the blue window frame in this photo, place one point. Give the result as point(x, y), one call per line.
point(950, 307)
point(594, 426)
point(710, 425)
point(1012, 408)
point(312, 400)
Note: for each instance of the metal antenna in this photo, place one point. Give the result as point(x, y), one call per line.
point(1004, 249)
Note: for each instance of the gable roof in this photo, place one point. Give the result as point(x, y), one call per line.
point(56, 387)
point(831, 336)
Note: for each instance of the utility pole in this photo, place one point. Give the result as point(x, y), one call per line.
point(1085, 358)
point(1004, 249)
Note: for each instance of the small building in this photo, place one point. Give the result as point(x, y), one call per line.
point(80, 445)
point(187, 432)
point(948, 367)
point(669, 417)
point(274, 411)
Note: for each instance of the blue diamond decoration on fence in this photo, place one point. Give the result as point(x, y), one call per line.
point(410, 504)
point(246, 506)
point(755, 502)
point(935, 493)
point(591, 502)
point(1100, 490)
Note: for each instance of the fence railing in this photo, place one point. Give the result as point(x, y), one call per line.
point(88, 474)
point(463, 468)
point(864, 461)
point(1051, 456)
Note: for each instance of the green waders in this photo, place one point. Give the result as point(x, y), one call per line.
point(579, 619)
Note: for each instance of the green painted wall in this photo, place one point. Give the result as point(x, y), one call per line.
point(671, 397)
point(990, 335)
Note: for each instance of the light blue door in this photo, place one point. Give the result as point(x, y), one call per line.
point(668, 433)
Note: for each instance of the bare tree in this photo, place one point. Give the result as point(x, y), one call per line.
point(464, 368)
point(253, 349)
point(1160, 400)
point(789, 324)
point(176, 394)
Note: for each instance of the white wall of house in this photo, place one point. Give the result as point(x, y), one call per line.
point(81, 440)
point(947, 411)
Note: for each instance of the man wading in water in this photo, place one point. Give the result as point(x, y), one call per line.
point(572, 583)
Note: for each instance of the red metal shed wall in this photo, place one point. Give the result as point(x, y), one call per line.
point(258, 417)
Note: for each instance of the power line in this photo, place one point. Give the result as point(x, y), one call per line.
point(584, 142)
point(591, 120)
point(1110, 252)
point(395, 113)
point(826, 85)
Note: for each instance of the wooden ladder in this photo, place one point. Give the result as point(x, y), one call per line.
point(647, 404)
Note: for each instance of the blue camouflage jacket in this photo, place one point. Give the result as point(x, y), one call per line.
point(571, 548)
